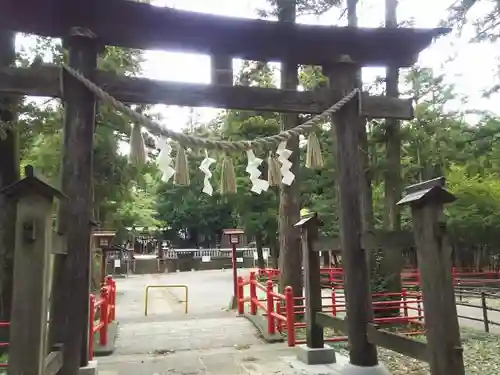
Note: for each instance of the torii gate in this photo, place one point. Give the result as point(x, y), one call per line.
point(87, 26)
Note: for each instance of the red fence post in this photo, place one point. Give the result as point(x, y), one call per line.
point(241, 296)
point(405, 303)
point(253, 294)
point(111, 285)
point(454, 275)
point(103, 332)
point(419, 305)
point(270, 307)
point(290, 316)
point(113, 316)
point(334, 301)
point(91, 326)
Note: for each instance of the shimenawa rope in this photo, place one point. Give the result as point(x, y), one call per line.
point(197, 142)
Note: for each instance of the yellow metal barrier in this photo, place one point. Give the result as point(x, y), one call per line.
point(185, 287)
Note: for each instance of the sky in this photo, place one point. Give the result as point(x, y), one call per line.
point(463, 71)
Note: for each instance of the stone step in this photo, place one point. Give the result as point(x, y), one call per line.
point(253, 359)
point(177, 316)
point(189, 334)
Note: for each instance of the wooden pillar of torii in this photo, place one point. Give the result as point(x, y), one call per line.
point(70, 295)
point(346, 125)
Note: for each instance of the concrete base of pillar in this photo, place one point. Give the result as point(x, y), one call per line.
point(90, 369)
point(315, 356)
point(349, 369)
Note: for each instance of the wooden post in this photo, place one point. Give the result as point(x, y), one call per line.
point(28, 329)
point(313, 302)
point(484, 306)
point(222, 70)
point(93, 272)
point(9, 173)
point(345, 130)
point(326, 259)
point(71, 291)
point(434, 262)
point(289, 208)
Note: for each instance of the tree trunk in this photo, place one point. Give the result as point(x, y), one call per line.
point(326, 259)
point(336, 262)
point(393, 137)
point(275, 253)
point(365, 178)
point(392, 259)
point(9, 173)
point(260, 254)
point(289, 210)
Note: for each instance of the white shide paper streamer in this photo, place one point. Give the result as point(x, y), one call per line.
point(258, 185)
point(205, 168)
point(165, 160)
point(287, 177)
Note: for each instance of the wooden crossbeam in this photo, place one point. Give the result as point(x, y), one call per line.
point(398, 343)
point(376, 239)
point(46, 81)
point(392, 341)
point(329, 321)
point(138, 25)
point(53, 363)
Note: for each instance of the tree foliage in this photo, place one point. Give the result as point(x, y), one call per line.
point(119, 189)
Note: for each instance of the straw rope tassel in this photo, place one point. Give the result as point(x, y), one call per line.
point(273, 171)
point(314, 159)
point(137, 154)
point(181, 167)
point(228, 177)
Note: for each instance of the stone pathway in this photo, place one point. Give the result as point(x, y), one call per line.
point(208, 340)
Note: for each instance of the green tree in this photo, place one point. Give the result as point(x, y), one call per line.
point(115, 181)
point(193, 218)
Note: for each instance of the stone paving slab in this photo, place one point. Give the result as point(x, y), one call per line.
point(189, 334)
point(253, 360)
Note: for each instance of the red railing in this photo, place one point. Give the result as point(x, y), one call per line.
point(272, 307)
point(270, 273)
point(408, 303)
point(410, 277)
point(106, 305)
point(466, 278)
point(4, 344)
point(107, 310)
point(280, 310)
